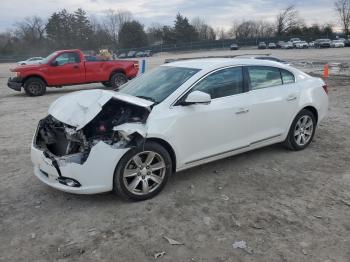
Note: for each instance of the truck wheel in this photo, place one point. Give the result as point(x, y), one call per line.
point(117, 80)
point(34, 86)
point(106, 84)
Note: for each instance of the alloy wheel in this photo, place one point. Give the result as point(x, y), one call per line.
point(144, 173)
point(303, 130)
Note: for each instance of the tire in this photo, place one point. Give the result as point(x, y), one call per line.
point(301, 131)
point(34, 86)
point(117, 80)
point(106, 84)
point(131, 182)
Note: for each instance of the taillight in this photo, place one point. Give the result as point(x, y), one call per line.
point(325, 88)
point(136, 66)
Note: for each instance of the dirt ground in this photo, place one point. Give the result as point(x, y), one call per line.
point(281, 205)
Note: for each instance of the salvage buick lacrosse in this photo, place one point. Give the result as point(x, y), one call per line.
point(177, 116)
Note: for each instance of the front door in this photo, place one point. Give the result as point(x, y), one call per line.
point(202, 131)
point(66, 69)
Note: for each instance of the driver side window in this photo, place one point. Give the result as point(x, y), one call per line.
point(67, 58)
point(225, 82)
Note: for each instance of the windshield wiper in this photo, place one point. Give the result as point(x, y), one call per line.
point(148, 98)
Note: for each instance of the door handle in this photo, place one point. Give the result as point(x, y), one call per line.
point(76, 66)
point(291, 98)
point(242, 111)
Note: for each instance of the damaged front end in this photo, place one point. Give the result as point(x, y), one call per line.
point(119, 124)
point(77, 147)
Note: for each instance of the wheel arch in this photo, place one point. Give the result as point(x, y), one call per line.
point(35, 75)
point(313, 110)
point(117, 70)
point(310, 108)
point(168, 148)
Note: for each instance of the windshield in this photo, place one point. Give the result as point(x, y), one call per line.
point(48, 58)
point(159, 83)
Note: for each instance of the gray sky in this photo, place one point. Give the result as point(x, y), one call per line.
point(216, 13)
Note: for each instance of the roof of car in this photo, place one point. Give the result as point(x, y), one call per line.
point(207, 63)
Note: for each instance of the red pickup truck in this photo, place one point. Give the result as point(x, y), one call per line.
point(71, 67)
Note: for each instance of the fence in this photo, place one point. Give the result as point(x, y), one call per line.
point(217, 44)
point(190, 46)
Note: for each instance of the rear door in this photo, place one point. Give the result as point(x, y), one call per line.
point(66, 68)
point(274, 97)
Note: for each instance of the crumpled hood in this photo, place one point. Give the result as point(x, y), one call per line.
point(79, 108)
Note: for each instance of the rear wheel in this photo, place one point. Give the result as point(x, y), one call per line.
point(117, 80)
point(34, 86)
point(142, 172)
point(301, 131)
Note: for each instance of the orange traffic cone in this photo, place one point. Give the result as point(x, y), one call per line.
point(326, 71)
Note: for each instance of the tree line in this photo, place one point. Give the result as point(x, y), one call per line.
point(120, 30)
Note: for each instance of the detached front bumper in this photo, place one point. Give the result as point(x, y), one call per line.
point(15, 83)
point(95, 175)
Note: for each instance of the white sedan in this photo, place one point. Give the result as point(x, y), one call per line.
point(337, 43)
point(174, 117)
point(30, 61)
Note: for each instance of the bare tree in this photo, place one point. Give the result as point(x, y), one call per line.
point(31, 29)
point(114, 20)
point(155, 33)
point(204, 31)
point(287, 19)
point(343, 9)
point(221, 34)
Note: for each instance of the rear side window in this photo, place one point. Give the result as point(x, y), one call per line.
point(264, 76)
point(225, 82)
point(287, 77)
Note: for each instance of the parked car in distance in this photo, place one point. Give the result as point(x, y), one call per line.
point(148, 53)
point(131, 54)
point(31, 61)
point(337, 43)
point(323, 43)
point(131, 141)
point(272, 46)
point(312, 44)
point(262, 45)
point(280, 44)
point(347, 43)
point(122, 55)
point(294, 40)
point(234, 46)
point(301, 45)
point(70, 67)
point(288, 45)
point(140, 54)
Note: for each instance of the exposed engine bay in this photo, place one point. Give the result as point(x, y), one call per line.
point(60, 140)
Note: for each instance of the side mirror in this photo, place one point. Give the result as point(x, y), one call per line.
point(54, 63)
point(197, 97)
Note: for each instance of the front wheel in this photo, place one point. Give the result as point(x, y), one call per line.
point(143, 172)
point(301, 131)
point(117, 80)
point(34, 86)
